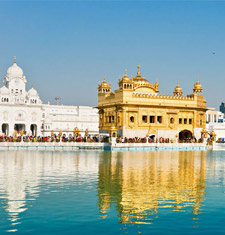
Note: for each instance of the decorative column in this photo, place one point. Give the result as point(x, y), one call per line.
point(21, 134)
point(113, 135)
point(204, 135)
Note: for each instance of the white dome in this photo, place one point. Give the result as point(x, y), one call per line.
point(4, 90)
point(32, 92)
point(15, 71)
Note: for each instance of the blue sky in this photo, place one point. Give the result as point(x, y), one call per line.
point(66, 47)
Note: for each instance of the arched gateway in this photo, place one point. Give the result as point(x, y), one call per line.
point(185, 134)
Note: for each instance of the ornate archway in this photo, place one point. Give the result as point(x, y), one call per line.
point(185, 134)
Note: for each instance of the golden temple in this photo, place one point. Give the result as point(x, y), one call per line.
point(136, 109)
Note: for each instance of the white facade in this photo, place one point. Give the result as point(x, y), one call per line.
point(215, 122)
point(23, 110)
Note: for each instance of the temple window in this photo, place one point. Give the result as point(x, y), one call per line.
point(159, 119)
point(110, 119)
point(185, 120)
point(190, 121)
point(113, 119)
point(171, 120)
point(132, 119)
point(180, 120)
point(152, 119)
point(144, 118)
point(125, 86)
point(200, 122)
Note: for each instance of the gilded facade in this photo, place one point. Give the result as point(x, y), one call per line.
point(137, 109)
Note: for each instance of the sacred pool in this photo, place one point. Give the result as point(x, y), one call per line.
point(108, 192)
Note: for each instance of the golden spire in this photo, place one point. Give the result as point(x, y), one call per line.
point(125, 77)
point(104, 78)
point(178, 90)
point(156, 85)
point(138, 72)
point(197, 86)
point(14, 59)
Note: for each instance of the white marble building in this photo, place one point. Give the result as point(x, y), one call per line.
point(23, 110)
point(215, 122)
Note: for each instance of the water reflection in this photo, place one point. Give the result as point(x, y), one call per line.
point(24, 174)
point(139, 184)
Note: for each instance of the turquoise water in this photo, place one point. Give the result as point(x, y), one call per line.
point(96, 192)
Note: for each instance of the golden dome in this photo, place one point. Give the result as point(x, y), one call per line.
point(139, 79)
point(197, 87)
point(104, 83)
point(125, 77)
point(178, 90)
point(140, 83)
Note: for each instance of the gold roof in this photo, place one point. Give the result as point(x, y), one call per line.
point(178, 89)
point(198, 86)
point(139, 79)
point(125, 77)
point(104, 83)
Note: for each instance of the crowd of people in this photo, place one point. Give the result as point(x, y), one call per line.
point(55, 138)
point(157, 140)
point(64, 138)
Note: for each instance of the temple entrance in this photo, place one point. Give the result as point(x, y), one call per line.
point(33, 128)
point(185, 135)
point(19, 127)
point(5, 129)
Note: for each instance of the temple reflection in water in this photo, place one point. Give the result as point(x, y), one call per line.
point(135, 186)
point(141, 184)
point(24, 174)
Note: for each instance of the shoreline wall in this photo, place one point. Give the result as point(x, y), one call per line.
point(102, 146)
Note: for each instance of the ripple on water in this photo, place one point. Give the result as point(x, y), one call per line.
point(114, 192)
